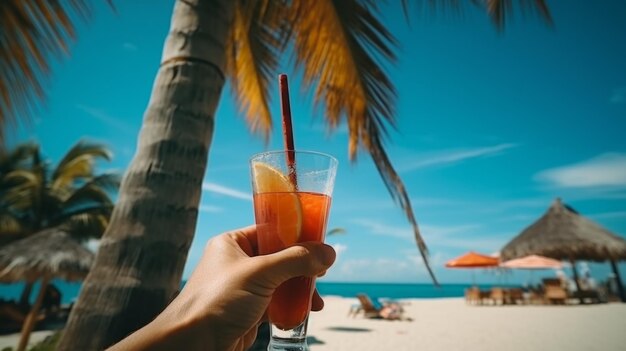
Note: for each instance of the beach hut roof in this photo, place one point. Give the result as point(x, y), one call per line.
point(562, 233)
point(50, 253)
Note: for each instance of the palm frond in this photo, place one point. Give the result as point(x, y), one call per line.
point(78, 163)
point(498, 10)
point(336, 231)
point(96, 191)
point(9, 224)
point(84, 226)
point(341, 47)
point(252, 59)
point(30, 32)
point(23, 183)
point(12, 160)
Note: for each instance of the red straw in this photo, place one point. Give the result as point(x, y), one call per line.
point(285, 110)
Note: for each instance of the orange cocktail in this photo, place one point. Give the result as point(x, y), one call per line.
point(291, 302)
point(292, 196)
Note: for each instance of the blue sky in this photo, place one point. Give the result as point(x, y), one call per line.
point(491, 127)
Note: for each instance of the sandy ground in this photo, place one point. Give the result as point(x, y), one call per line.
point(11, 340)
point(450, 324)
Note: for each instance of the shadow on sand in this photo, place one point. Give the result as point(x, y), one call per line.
point(349, 329)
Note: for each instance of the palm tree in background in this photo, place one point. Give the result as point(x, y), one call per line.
point(71, 196)
point(341, 48)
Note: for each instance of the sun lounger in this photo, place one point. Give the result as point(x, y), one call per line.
point(553, 292)
point(514, 296)
point(391, 310)
point(472, 296)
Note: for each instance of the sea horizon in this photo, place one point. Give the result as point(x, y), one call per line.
point(395, 290)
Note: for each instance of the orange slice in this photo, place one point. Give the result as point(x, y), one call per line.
point(285, 202)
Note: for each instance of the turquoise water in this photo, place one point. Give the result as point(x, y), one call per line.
point(69, 291)
point(394, 291)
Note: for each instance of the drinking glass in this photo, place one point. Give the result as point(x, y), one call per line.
point(292, 195)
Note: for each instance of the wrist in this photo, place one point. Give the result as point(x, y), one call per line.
point(179, 330)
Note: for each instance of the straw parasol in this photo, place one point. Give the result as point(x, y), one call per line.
point(49, 254)
point(563, 234)
point(473, 260)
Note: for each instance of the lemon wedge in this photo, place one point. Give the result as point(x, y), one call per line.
point(282, 202)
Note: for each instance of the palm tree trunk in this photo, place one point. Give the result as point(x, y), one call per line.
point(577, 282)
point(618, 279)
point(31, 319)
point(139, 265)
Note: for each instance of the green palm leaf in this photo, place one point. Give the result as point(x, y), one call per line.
point(78, 163)
point(498, 10)
point(84, 226)
point(72, 195)
point(15, 158)
point(95, 191)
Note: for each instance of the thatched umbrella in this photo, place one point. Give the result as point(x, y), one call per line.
point(43, 256)
point(563, 234)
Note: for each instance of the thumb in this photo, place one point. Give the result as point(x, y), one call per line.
point(305, 259)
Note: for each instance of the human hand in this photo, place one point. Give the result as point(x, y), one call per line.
point(227, 295)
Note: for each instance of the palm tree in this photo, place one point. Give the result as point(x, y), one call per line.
point(71, 196)
point(341, 48)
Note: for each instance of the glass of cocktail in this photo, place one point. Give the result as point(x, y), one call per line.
point(292, 195)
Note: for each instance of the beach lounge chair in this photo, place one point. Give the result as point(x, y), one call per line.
point(367, 307)
point(553, 291)
point(497, 296)
point(514, 296)
point(390, 310)
point(472, 296)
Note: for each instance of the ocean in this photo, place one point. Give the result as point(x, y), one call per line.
point(69, 291)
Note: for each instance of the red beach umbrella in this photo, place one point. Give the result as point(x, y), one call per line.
point(473, 260)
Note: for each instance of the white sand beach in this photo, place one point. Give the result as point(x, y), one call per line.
point(450, 324)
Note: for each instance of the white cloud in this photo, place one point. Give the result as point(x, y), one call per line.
point(606, 170)
point(377, 270)
point(226, 191)
point(462, 236)
point(130, 46)
point(340, 249)
point(618, 96)
point(406, 232)
point(106, 118)
point(210, 209)
point(454, 156)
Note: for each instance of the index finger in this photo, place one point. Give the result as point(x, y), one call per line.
point(246, 238)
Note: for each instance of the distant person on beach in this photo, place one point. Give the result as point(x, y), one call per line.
point(226, 296)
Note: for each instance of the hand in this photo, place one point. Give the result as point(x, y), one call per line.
point(227, 295)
